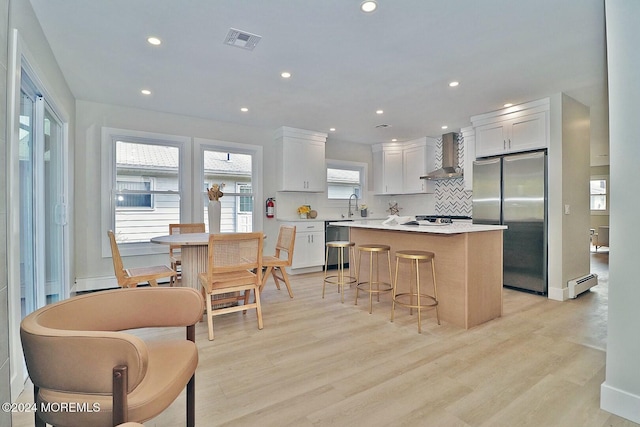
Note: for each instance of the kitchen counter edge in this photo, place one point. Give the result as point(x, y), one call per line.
point(454, 228)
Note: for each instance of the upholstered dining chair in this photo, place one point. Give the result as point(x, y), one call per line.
point(77, 355)
point(130, 277)
point(276, 264)
point(234, 269)
point(174, 250)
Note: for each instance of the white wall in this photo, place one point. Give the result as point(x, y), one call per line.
point(568, 183)
point(620, 393)
point(91, 117)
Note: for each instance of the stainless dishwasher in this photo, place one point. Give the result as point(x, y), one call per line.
point(333, 233)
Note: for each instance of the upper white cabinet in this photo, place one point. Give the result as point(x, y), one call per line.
point(469, 137)
point(300, 160)
point(515, 129)
point(398, 167)
point(387, 170)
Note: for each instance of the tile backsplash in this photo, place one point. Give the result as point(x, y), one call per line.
point(450, 196)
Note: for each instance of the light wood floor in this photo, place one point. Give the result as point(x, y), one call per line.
point(322, 363)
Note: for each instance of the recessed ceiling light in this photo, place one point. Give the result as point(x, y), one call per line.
point(368, 6)
point(379, 112)
point(244, 109)
point(445, 127)
point(454, 84)
point(154, 41)
point(145, 92)
point(332, 129)
point(508, 105)
point(285, 74)
point(394, 140)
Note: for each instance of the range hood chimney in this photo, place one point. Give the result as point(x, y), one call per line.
point(450, 168)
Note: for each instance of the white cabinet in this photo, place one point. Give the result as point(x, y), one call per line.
point(514, 129)
point(300, 160)
point(397, 167)
point(309, 246)
point(418, 158)
point(469, 137)
point(387, 169)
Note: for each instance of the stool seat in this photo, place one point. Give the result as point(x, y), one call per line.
point(368, 286)
point(421, 255)
point(340, 244)
point(374, 248)
point(339, 279)
point(415, 298)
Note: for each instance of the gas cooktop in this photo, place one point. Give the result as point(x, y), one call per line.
point(441, 218)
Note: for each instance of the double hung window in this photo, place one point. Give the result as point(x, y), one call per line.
point(599, 195)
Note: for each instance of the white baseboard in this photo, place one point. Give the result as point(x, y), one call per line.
point(558, 294)
point(94, 284)
point(295, 271)
point(98, 283)
point(620, 402)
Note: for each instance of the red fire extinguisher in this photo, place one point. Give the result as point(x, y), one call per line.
point(271, 206)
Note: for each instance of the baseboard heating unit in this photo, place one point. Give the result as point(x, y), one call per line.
point(581, 284)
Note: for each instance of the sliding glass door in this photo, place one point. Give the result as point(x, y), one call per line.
point(42, 204)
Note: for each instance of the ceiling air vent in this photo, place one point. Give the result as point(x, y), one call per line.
point(242, 39)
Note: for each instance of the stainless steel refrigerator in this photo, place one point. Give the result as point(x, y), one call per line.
point(512, 190)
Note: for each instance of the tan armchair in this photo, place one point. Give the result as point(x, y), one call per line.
point(601, 238)
point(76, 355)
point(276, 263)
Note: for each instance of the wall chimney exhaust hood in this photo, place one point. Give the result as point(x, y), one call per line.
point(450, 168)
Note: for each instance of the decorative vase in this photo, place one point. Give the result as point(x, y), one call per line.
point(303, 216)
point(214, 216)
point(363, 213)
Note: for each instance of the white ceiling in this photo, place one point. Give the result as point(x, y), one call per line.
point(345, 64)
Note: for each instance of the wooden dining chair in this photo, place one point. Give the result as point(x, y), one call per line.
point(174, 250)
point(276, 264)
point(130, 277)
point(234, 267)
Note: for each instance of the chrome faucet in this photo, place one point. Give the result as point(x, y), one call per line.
point(350, 214)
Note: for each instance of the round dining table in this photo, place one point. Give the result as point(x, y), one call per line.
point(193, 249)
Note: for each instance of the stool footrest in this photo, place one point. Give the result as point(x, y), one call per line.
point(385, 287)
point(335, 280)
point(433, 303)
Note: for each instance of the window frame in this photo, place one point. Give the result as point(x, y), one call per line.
point(604, 178)
point(108, 182)
point(348, 165)
point(200, 145)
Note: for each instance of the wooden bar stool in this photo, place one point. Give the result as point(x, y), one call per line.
point(373, 280)
point(415, 298)
point(339, 279)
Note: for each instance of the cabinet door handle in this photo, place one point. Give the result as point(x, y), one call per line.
point(509, 142)
point(504, 144)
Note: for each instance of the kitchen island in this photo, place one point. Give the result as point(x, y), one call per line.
point(468, 260)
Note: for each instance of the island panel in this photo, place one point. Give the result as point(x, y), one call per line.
point(468, 270)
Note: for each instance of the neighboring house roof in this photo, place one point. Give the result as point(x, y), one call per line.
point(161, 157)
point(343, 176)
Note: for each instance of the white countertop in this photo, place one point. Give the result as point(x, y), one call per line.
point(454, 228)
point(325, 219)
